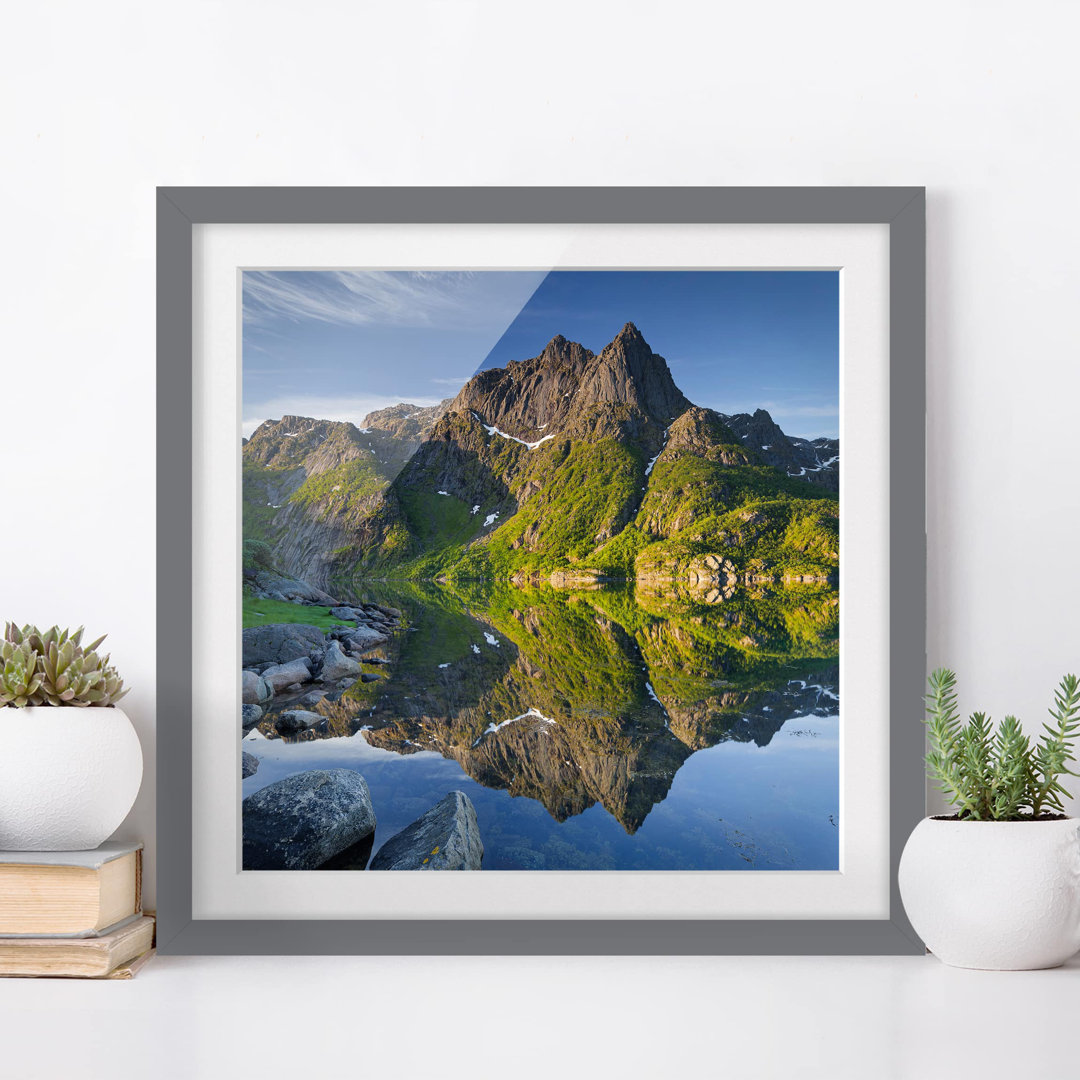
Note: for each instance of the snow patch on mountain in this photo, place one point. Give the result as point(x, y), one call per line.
point(492, 430)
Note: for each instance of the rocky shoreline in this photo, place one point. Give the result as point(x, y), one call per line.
point(323, 819)
point(297, 664)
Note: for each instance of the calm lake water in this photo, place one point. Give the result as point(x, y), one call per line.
point(615, 728)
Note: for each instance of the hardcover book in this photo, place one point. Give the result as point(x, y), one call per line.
point(87, 957)
point(69, 893)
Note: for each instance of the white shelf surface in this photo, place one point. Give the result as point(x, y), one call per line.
point(518, 1018)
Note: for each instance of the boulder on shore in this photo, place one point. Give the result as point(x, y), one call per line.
point(269, 583)
point(302, 821)
point(364, 638)
point(278, 643)
point(358, 638)
point(293, 720)
point(447, 837)
point(249, 765)
point(336, 665)
point(346, 613)
point(254, 689)
point(250, 715)
point(282, 675)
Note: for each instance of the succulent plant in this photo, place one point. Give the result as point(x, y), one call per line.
point(1002, 775)
point(52, 667)
point(20, 680)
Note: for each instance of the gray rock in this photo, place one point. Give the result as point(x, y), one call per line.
point(249, 765)
point(281, 676)
point(336, 665)
point(302, 821)
point(254, 689)
point(282, 587)
point(278, 643)
point(346, 683)
point(293, 720)
point(363, 638)
point(250, 715)
point(313, 698)
point(447, 837)
point(367, 676)
point(346, 613)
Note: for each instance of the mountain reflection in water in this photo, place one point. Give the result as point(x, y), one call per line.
point(612, 727)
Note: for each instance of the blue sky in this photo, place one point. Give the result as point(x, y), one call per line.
point(336, 344)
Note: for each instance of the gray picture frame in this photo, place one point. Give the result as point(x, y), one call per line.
point(179, 209)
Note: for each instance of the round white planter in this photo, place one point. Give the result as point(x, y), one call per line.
point(68, 776)
point(998, 895)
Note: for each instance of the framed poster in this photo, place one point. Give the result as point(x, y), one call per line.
point(539, 534)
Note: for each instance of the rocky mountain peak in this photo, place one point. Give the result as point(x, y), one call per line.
point(629, 333)
point(816, 462)
point(627, 370)
point(628, 342)
point(561, 352)
point(703, 433)
point(550, 393)
point(701, 425)
point(285, 442)
point(405, 420)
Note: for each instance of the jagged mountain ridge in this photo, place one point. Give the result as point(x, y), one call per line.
point(390, 436)
point(566, 459)
point(538, 398)
point(405, 421)
point(816, 461)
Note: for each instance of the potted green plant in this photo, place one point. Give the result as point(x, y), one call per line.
point(70, 761)
point(997, 884)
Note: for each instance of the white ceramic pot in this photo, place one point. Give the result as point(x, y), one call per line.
point(68, 776)
point(998, 895)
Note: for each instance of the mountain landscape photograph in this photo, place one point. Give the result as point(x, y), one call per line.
point(540, 570)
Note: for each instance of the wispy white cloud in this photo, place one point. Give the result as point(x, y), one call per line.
point(349, 409)
point(458, 381)
point(380, 298)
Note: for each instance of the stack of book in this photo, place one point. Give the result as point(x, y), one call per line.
point(74, 913)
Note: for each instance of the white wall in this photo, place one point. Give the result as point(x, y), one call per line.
point(975, 100)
